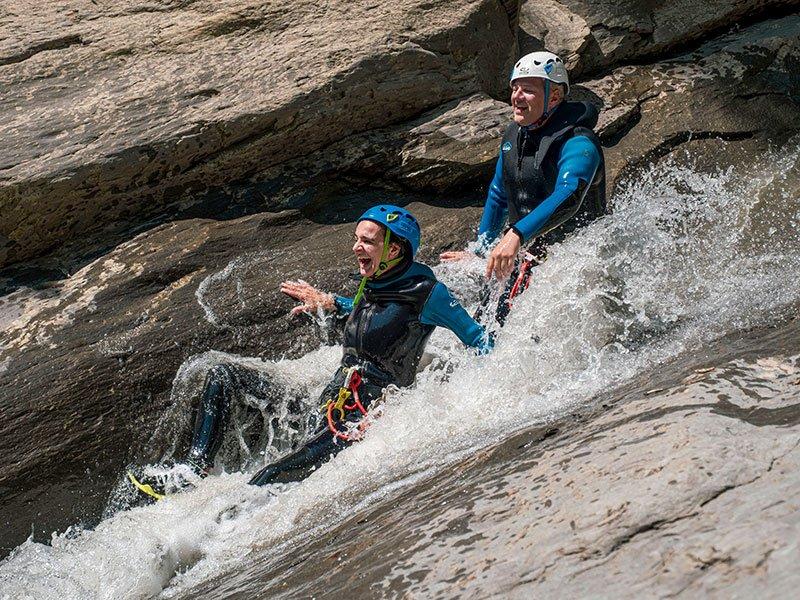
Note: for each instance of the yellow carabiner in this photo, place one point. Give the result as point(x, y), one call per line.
point(338, 404)
point(344, 396)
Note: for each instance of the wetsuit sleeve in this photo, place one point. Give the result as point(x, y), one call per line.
point(344, 305)
point(495, 210)
point(443, 310)
point(576, 168)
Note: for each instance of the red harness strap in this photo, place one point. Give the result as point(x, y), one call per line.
point(349, 389)
point(523, 279)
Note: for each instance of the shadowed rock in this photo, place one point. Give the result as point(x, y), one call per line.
point(139, 105)
point(591, 36)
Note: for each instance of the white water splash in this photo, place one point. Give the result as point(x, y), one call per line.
point(686, 258)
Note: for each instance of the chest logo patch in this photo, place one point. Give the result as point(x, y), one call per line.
point(506, 146)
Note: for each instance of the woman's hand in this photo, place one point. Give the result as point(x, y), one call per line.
point(455, 255)
point(312, 298)
point(501, 260)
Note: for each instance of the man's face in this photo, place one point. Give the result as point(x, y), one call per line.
point(527, 99)
point(368, 247)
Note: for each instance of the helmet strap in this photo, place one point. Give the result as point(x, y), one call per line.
point(546, 98)
point(384, 265)
point(360, 292)
point(546, 112)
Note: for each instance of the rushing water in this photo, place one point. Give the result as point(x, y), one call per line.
point(686, 258)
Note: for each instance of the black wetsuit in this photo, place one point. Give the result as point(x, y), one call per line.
point(384, 337)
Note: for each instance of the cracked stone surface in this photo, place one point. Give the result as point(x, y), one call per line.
point(450, 146)
point(592, 35)
point(743, 88)
point(689, 491)
point(138, 103)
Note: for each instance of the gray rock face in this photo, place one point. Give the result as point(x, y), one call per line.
point(742, 87)
point(135, 106)
point(591, 36)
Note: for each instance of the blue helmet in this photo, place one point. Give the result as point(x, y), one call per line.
point(397, 220)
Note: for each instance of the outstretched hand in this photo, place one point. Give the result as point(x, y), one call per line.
point(501, 260)
point(455, 255)
point(312, 298)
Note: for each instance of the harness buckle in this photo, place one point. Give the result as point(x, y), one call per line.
point(349, 389)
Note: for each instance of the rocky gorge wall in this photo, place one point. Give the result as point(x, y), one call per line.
point(149, 146)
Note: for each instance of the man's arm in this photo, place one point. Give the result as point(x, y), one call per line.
point(576, 168)
point(443, 310)
point(495, 210)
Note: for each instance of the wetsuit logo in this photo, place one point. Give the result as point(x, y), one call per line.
point(506, 147)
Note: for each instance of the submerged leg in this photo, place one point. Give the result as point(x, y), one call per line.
point(223, 385)
point(300, 464)
point(212, 417)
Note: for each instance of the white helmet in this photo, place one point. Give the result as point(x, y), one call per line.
point(541, 64)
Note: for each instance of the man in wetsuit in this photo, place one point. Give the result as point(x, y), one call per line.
point(550, 174)
point(398, 305)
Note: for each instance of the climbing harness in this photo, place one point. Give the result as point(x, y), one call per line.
point(524, 278)
point(339, 405)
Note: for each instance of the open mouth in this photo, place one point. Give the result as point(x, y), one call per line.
point(364, 263)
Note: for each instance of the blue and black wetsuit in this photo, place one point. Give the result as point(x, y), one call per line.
point(546, 176)
point(548, 181)
point(384, 337)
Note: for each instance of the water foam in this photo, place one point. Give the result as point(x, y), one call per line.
point(686, 257)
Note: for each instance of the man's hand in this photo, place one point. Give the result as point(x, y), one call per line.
point(311, 297)
point(501, 260)
point(455, 255)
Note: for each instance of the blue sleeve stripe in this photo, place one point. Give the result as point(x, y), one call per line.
point(578, 162)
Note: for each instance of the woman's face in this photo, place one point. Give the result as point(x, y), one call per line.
point(368, 247)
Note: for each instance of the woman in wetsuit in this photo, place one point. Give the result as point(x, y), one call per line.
point(398, 305)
